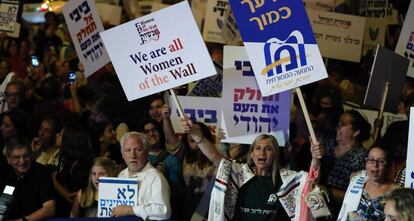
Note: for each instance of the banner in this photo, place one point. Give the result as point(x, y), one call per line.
point(84, 25)
point(280, 44)
point(230, 32)
point(8, 15)
point(409, 173)
point(214, 21)
point(341, 32)
point(158, 51)
point(109, 13)
point(115, 192)
point(405, 45)
point(201, 109)
point(246, 111)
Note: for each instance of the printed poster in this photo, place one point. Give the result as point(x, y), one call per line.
point(85, 25)
point(246, 111)
point(214, 21)
point(156, 52)
point(344, 33)
point(8, 15)
point(280, 44)
point(409, 173)
point(114, 192)
point(405, 45)
point(201, 109)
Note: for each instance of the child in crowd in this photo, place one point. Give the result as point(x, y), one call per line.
point(86, 201)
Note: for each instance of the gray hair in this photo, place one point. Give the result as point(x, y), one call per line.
point(134, 134)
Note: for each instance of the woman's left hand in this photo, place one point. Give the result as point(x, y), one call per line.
point(317, 150)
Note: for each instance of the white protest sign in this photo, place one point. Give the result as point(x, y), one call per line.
point(281, 136)
point(115, 192)
point(84, 26)
point(246, 111)
point(202, 109)
point(8, 15)
point(409, 173)
point(405, 45)
point(214, 21)
point(158, 51)
point(342, 32)
point(109, 13)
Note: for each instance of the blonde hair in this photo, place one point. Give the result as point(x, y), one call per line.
point(274, 169)
point(404, 202)
point(87, 196)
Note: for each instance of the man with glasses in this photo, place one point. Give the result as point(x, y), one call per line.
point(33, 197)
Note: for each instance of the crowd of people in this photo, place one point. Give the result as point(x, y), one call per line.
point(59, 136)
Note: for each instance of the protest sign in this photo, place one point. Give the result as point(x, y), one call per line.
point(230, 32)
point(409, 173)
point(109, 13)
point(280, 44)
point(281, 136)
point(202, 109)
point(115, 192)
point(214, 21)
point(405, 45)
point(371, 115)
point(84, 25)
point(211, 86)
point(387, 67)
point(198, 7)
point(158, 51)
point(343, 32)
point(246, 111)
point(8, 15)
point(147, 7)
point(374, 32)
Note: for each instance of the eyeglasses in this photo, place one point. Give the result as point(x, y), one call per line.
point(373, 161)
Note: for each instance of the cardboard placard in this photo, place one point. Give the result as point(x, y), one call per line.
point(246, 111)
point(387, 67)
point(156, 52)
point(280, 44)
point(343, 32)
point(114, 192)
point(85, 25)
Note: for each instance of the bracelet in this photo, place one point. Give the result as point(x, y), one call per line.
point(201, 140)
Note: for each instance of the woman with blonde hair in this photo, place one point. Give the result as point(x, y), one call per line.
point(86, 201)
point(399, 205)
point(246, 191)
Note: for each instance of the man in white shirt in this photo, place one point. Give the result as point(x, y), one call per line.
point(153, 189)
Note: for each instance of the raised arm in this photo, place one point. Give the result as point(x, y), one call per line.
point(208, 148)
point(172, 138)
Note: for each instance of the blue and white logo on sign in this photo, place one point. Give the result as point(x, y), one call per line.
point(284, 58)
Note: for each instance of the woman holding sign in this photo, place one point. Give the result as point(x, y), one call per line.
point(252, 187)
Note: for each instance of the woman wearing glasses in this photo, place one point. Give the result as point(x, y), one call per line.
point(364, 198)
